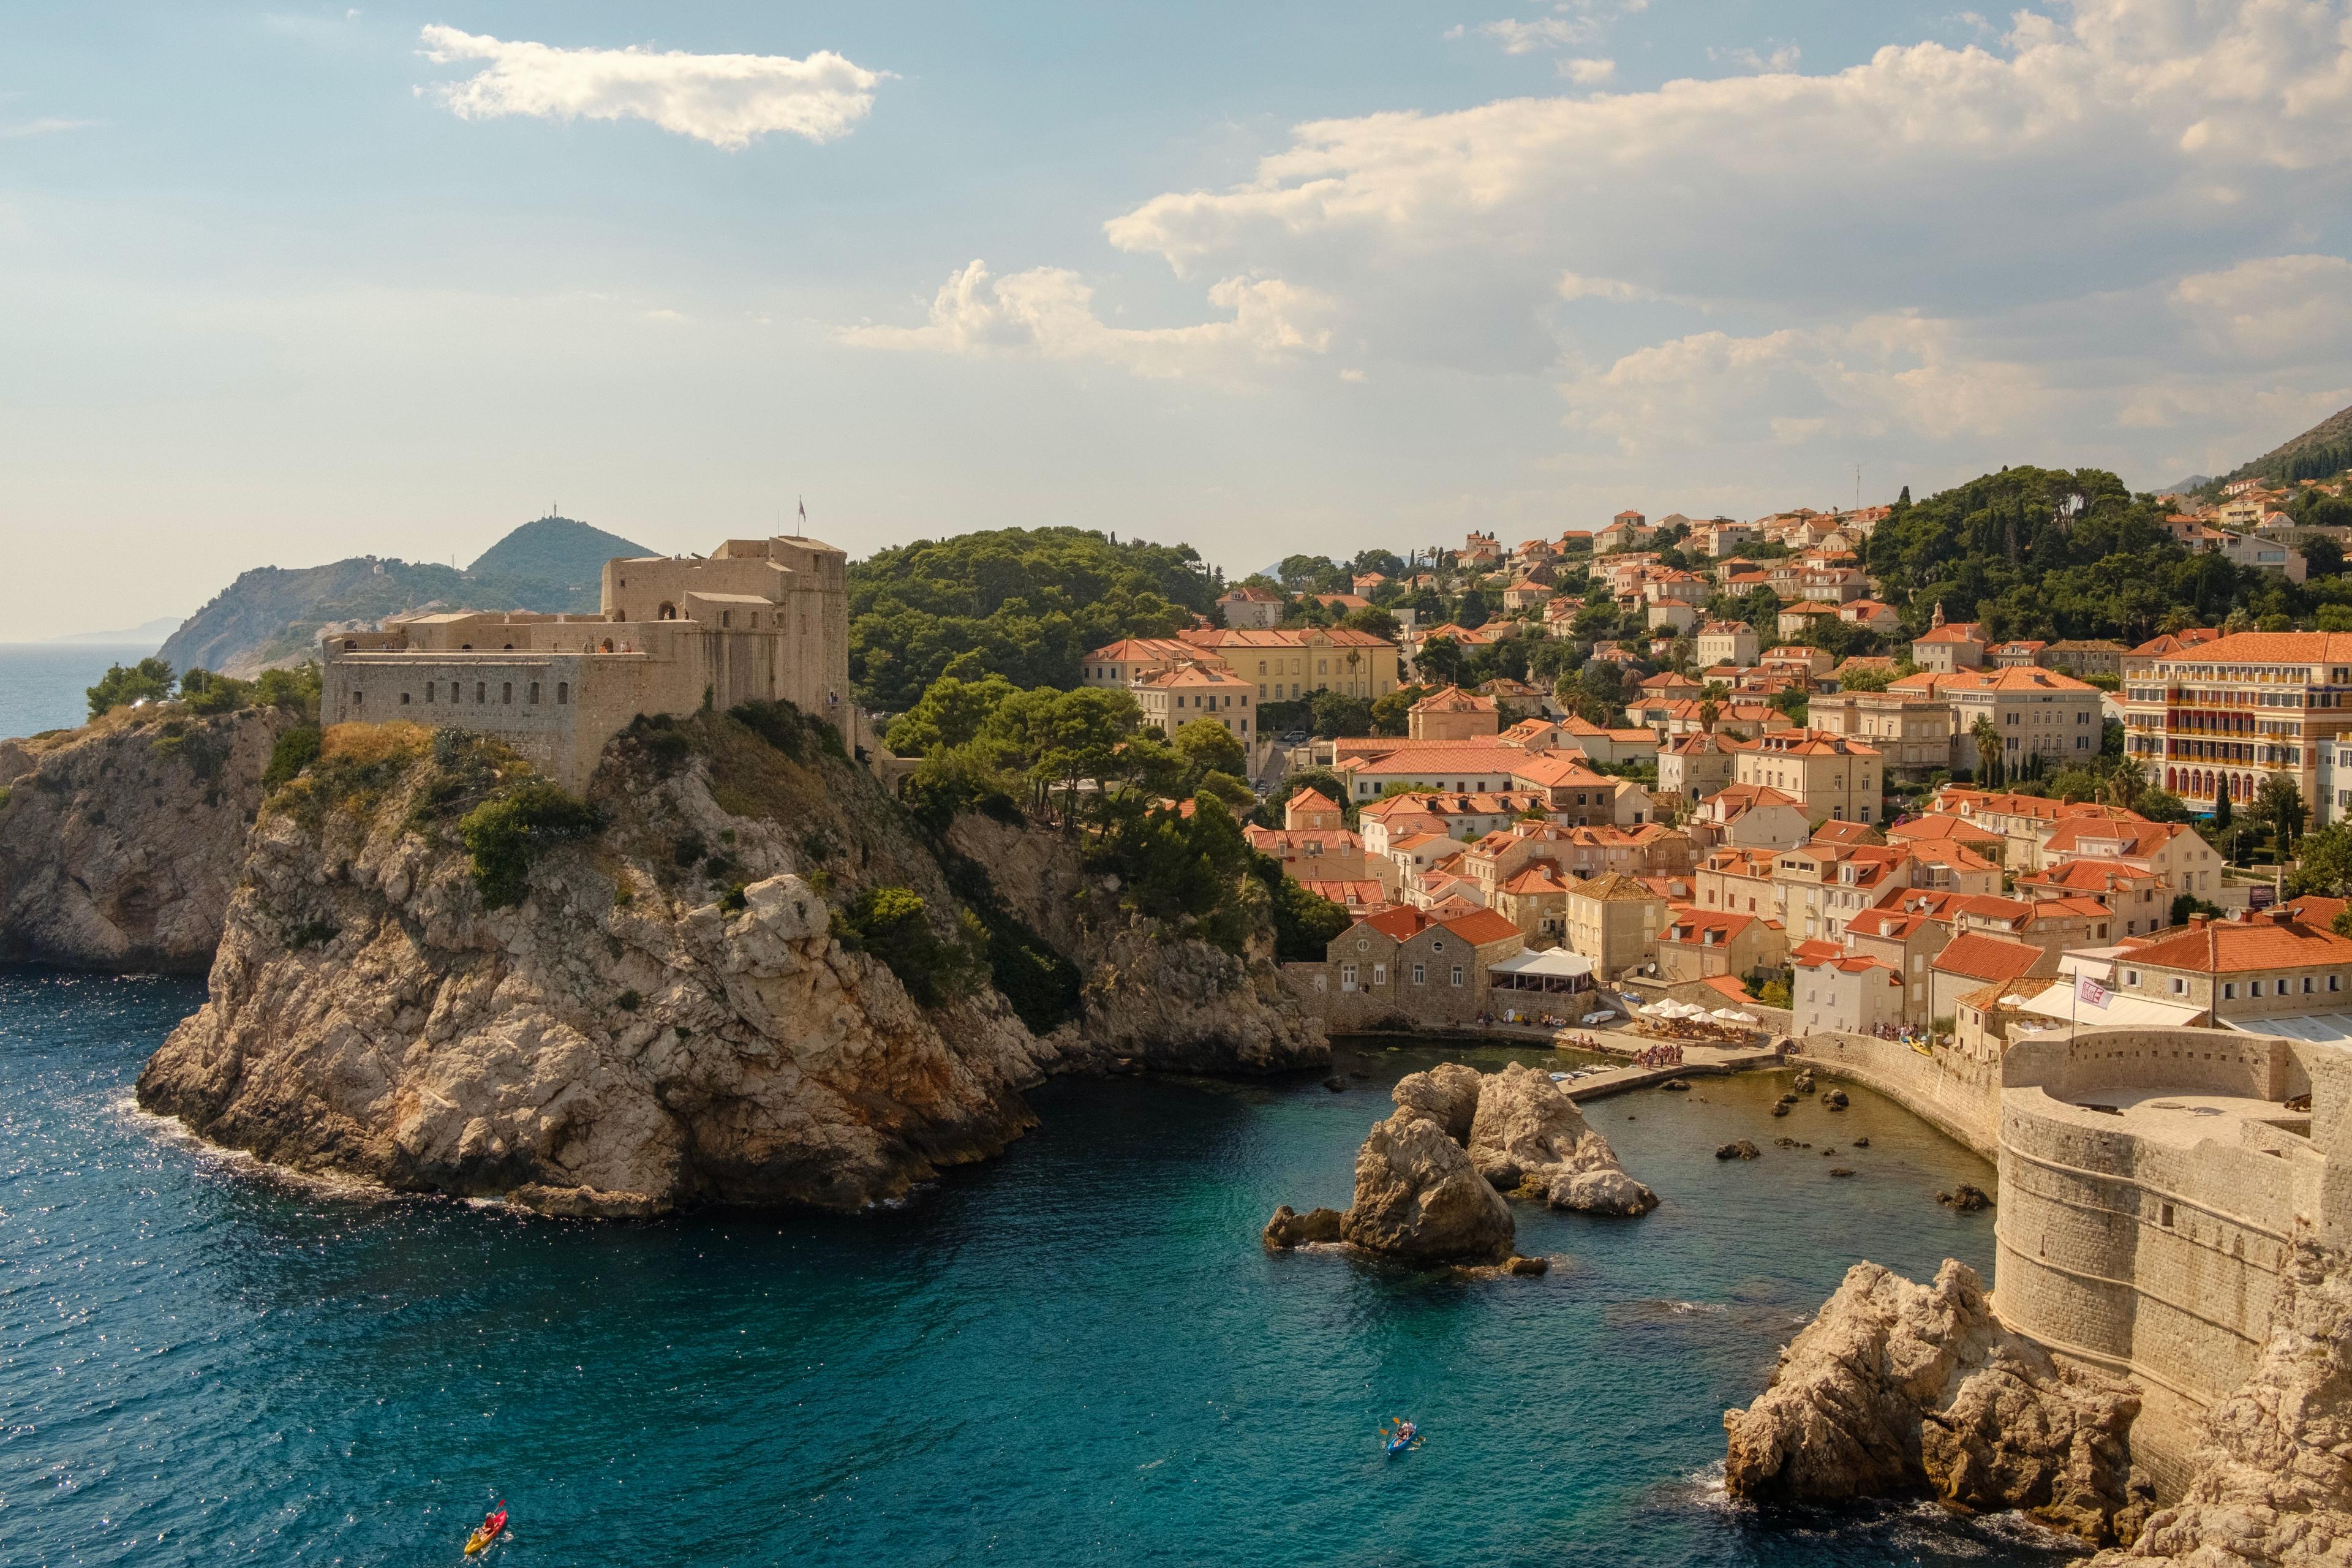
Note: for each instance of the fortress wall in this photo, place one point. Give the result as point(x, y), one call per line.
point(491, 692)
point(1960, 1096)
point(2159, 1260)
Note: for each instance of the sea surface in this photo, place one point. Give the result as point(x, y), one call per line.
point(1076, 1354)
point(43, 686)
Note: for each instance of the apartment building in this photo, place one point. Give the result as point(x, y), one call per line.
point(2211, 718)
point(1832, 777)
point(1910, 730)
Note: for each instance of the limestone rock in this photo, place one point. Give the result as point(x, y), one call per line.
point(1528, 1268)
point(1741, 1149)
point(1803, 1082)
point(1419, 1197)
point(1289, 1228)
point(120, 843)
point(621, 1041)
point(1965, 1199)
point(2273, 1479)
point(1448, 1094)
point(1526, 1131)
point(1898, 1388)
point(1835, 1099)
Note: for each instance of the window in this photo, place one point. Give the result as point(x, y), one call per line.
point(1419, 974)
point(358, 698)
point(482, 692)
point(534, 692)
point(1458, 975)
point(1346, 977)
point(404, 700)
point(428, 691)
point(2164, 1215)
point(1380, 975)
point(506, 692)
point(562, 692)
point(2179, 986)
point(2230, 991)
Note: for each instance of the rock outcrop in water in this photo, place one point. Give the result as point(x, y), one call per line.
point(121, 842)
point(671, 1002)
point(2272, 1482)
point(1528, 1137)
point(1419, 1197)
point(1903, 1389)
point(1427, 1177)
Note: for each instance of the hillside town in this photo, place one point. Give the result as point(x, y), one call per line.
point(1724, 800)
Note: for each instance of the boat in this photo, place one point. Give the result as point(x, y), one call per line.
point(1399, 1436)
point(488, 1530)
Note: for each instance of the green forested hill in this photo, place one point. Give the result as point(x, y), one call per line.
point(2324, 450)
point(556, 551)
point(1030, 602)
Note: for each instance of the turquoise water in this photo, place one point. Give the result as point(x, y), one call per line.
point(1077, 1354)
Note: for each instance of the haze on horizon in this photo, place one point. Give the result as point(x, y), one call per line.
point(286, 282)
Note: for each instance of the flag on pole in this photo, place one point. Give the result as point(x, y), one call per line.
point(2088, 991)
point(803, 508)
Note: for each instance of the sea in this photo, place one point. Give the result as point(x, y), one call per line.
point(1077, 1354)
point(45, 686)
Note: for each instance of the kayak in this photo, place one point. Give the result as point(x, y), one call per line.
point(487, 1531)
point(1402, 1435)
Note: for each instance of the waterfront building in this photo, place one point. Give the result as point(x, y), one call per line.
point(2215, 716)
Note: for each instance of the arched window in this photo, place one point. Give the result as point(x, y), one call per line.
point(666, 613)
point(506, 692)
point(481, 691)
point(534, 691)
point(350, 645)
point(428, 691)
point(608, 646)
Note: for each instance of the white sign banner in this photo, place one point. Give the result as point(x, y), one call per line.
point(2089, 991)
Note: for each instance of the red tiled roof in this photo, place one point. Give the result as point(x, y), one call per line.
point(2217, 947)
point(1481, 928)
point(1989, 957)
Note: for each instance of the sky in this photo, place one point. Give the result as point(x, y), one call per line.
point(286, 283)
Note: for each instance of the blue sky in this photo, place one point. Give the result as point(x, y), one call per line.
point(278, 285)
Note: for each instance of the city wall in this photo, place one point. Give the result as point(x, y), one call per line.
point(1958, 1094)
point(2158, 1257)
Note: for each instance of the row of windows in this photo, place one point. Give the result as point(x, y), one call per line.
point(481, 693)
point(1381, 975)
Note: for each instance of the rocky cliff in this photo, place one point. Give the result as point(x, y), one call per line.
point(120, 842)
point(2274, 1477)
point(1898, 1388)
point(741, 975)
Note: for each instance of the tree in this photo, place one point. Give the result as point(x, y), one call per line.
point(1988, 741)
point(2126, 783)
point(2323, 862)
point(1438, 662)
point(950, 713)
point(1337, 715)
point(1868, 678)
point(2162, 806)
point(149, 680)
point(1392, 712)
point(2279, 801)
point(1209, 747)
point(1372, 619)
point(2221, 810)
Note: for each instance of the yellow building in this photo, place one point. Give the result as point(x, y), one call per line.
point(1833, 778)
point(1174, 698)
point(1296, 662)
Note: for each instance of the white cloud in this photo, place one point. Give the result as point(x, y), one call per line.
point(1544, 33)
point(2279, 309)
point(1587, 72)
point(1048, 312)
point(724, 100)
point(1901, 374)
point(46, 126)
point(1783, 58)
point(1574, 286)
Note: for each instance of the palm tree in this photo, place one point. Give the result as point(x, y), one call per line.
point(1987, 739)
point(2126, 783)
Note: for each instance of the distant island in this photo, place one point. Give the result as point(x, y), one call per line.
point(272, 616)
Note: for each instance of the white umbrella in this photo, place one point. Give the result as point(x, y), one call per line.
point(1732, 1015)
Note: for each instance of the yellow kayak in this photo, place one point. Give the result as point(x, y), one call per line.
point(486, 1531)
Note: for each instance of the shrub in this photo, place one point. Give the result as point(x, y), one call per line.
point(205, 692)
point(731, 901)
point(628, 1001)
point(296, 749)
point(507, 832)
point(665, 746)
point(788, 729)
point(296, 688)
point(893, 924)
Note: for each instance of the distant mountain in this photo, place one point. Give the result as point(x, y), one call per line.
point(274, 615)
point(146, 634)
point(2325, 448)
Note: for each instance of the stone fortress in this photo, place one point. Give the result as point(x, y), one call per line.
point(755, 619)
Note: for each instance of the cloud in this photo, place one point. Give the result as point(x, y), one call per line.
point(1587, 72)
point(2279, 309)
point(727, 100)
point(1571, 23)
point(1784, 58)
point(1048, 312)
point(1574, 286)
point(1885, 375)
point(46, 126)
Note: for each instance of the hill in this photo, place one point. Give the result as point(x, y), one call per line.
point(272, 615)
point(1028, 602)
point(2324, 450)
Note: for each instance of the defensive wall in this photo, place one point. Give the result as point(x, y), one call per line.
point(1954, 1092)
point(2152, 1185)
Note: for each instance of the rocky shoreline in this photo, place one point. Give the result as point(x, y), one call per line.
point(668, 1009)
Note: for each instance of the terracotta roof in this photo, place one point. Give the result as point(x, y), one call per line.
point(1989, 957)
point(2019, 677)
point(1952, 631)
point(2264, 942)
point(2317, 909)
point(1453, 699)
point(1481, 928)
point(2276, 648)
point(1312, 799)
point(1553, 770)
point(1693, 925)
point(1935, 827)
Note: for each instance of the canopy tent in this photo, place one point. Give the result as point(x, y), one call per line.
point(1555, 970)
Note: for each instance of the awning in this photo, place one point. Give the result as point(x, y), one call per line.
point(2319, 1028)
point(1558, 963)
point(2121, 1012)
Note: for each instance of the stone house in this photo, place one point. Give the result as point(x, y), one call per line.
point(1408, 965)
point(1174, 698)
point(1947, 646)
point(1726, 642)
point(1454, 714)
point(1748, 816)
point(1830, 777)
point(1613, 921)
point(1698, 944)
point(1911, 732)
point(1252, 608)
point(2137, 901)
point(1694, 766)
